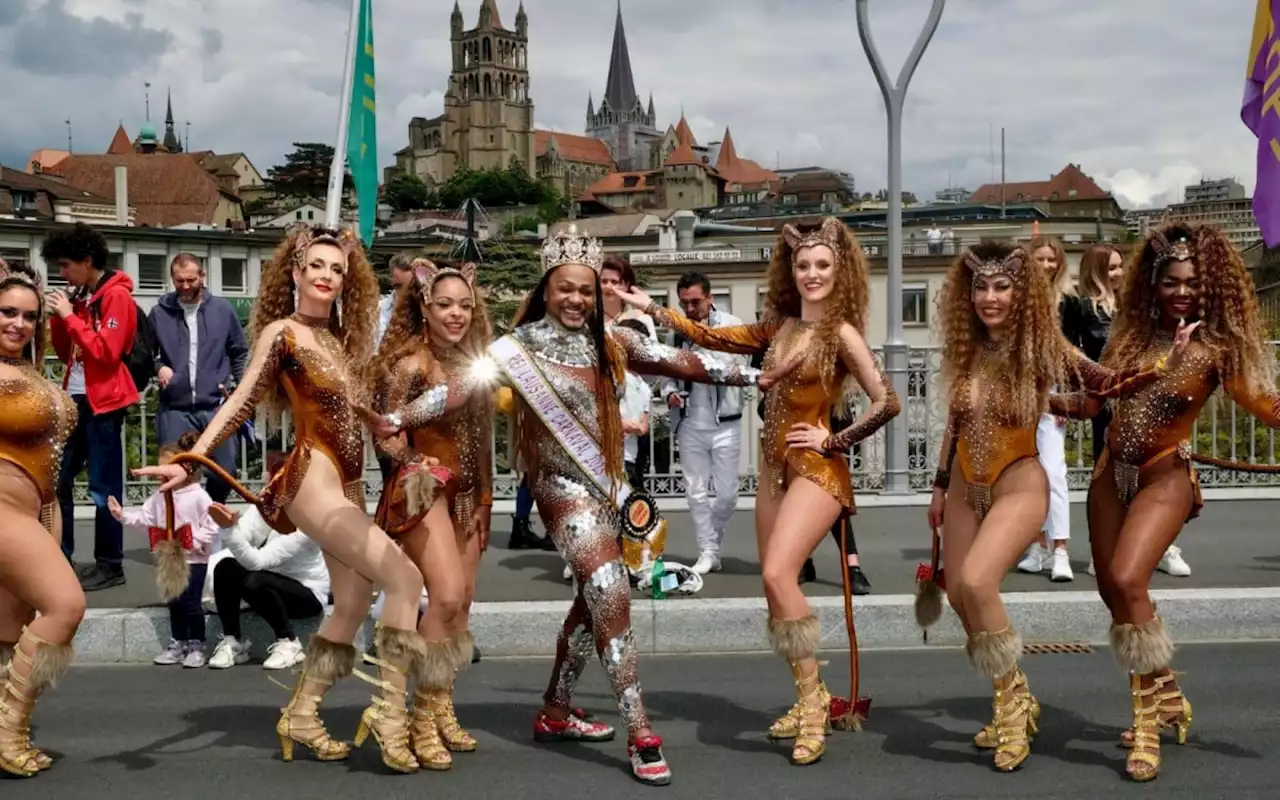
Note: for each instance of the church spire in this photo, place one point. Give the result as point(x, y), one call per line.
point(171, 142)
point(620, 89)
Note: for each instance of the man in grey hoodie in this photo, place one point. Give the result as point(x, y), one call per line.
point(200, 352)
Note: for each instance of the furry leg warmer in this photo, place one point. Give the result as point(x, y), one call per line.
point(400, 647)
point(464, 648)
point(327, 660)
point(1143, 648)
point(995, 655)
point(434, 671)
point(794, 639)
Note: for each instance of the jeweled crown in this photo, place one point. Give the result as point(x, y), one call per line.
point(567, 246)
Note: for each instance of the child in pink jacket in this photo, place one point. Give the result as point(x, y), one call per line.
point(190, 507)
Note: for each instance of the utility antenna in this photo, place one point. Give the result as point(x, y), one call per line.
point(69, 148)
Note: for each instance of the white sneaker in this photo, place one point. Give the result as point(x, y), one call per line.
point(172, 655)
point(1090, 570)
point(1035, 560)
point(284, 654)
point(1172, 563)
point(195, 655)
point(707, 562)
point(1061, 568)
point(568, 572)
point(230, 652)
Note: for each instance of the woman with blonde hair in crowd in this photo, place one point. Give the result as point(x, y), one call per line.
point(1051, 433)
point(1101, 281)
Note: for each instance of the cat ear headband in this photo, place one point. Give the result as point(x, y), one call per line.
point(344, 239)
point(1009, 266)
point(1178, 250)
point(427, 272)
point(828, 234)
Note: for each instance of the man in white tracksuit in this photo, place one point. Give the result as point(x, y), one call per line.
point(706, 421)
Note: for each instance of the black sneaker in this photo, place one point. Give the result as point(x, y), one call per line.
point(807, 573)
point(475, 655)
point(858, 583)
point(104, 577)
point(522, 537)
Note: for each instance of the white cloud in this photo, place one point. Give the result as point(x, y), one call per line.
point(1136, 94)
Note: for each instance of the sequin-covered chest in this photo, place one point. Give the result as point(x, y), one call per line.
point(37, 420)
point(1165, 412)
point(321, 407)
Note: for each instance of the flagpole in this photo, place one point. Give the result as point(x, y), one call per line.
point(333, 202)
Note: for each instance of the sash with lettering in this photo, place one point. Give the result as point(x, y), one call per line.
point(641, 524)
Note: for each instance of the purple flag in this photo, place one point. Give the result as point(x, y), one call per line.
point(1261, 112)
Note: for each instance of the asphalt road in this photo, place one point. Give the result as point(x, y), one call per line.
point(205, 735)
point(1232, 544)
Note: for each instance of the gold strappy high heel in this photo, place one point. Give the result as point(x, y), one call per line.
point(386, 717)
point(1143, 763)
point(41, 668)
point(326, 662)
point(455, 737)
point(1174, 710)
point(815, 703)
point(986, 739)
point(787, 725)
point(425, 736)
point(1013, 723)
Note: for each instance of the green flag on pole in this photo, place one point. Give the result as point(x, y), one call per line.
point(362, 129)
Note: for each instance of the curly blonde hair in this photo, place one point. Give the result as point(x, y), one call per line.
point(353, 325)
point(407, 333)
point(1034, 351)
point(848, 301)
point(1230, 317)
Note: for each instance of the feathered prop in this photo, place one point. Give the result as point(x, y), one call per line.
point(929, 587)
point(848, 715)
point(170, 548)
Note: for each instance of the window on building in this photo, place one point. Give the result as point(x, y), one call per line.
point(789, 199)
point(151, 272)
point(297, 214)
point(311, 214)
point(915, 304)
point(23, 201)
point(233, 274)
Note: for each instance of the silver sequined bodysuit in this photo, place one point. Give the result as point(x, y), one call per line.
point(580, 518)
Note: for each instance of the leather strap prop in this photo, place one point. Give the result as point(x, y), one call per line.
point(643, 528)
point(848, 715)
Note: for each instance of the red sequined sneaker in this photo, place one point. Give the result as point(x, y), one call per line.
point(647, 762)
point(577, 727)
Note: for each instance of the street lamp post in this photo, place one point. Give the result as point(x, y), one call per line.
point(896, 474)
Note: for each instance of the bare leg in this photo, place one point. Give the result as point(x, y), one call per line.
point(803, 519)
point(34, 574)
point(1020, 500)
point(1138, 637)
point(321, 509)
point(434, 549)
point(1106, 517)
point(959, 529)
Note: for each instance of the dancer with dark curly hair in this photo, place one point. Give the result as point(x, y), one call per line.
point(817, 312)
point(41, 601)
point(439, 514)
point(1004, 352)
point(314, 319)
point(1144, 488)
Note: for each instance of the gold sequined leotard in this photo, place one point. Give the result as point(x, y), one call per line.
point(1158, 421)
point(983, 435)
point(801, 396)
point(460, 439)
point(317, 384)
point(34, 426)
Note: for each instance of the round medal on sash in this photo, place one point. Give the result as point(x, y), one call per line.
point(642, 528)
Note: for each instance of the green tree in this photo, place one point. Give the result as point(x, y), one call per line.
point(407, 193)
point(305, 172)
point(509, 272)
point(493, 187)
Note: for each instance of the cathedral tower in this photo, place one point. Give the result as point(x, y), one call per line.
point(622, 121)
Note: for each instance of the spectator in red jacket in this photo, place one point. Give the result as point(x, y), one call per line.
point(92, 332)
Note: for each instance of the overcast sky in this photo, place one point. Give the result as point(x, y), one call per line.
point(1143, 94)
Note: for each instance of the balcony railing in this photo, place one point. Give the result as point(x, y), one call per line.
point(1222, 430)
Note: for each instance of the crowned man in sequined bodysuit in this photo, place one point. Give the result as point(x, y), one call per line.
point(567, 375)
